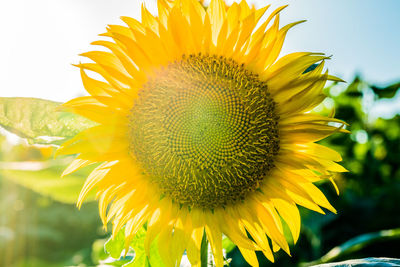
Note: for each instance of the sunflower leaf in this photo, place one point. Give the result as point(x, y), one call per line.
point(355, 244)
point(115, 245)
point(38, 120)
point(383, 262)
point(115, 248)
point(140, 259)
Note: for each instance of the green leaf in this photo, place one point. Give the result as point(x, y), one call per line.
point(122, 261)
point(115, 246)
point(356, 244)
point(140, 259)
point(383, 262)
point(39, 121)
point(386, 92)
point(48, 182)
point(98, 252)
point(227, 244)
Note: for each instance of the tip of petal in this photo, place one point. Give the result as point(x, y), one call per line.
point(335, 79)
point(106, 34)
point(334, 185)
point(123, 18)
point(79, 65)
point(79, 205)
point(297, 22)
point(64, 174)
point(333, 210)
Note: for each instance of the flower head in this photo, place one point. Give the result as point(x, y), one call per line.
point(202, 130)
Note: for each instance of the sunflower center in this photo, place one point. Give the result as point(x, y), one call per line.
point(205, 131)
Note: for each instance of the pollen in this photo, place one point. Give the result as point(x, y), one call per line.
point(205, 131)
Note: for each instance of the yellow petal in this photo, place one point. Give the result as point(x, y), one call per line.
point(249, 256)
point(98, 139)
point(214, 235)
point(134, 51)
point(232, 17)
point(134, 25)
point(317, 196)
point(196, 24)
point(313, 134)
point(97, 88)
point(153, 47)
point(290, 214)
point(297, 194)
point(163, 12)
point(244, 10)
point(90, 108)
point(194, 245)
point(134, 225)
point(179, 238)
point(116, 84)
point(207, 36)
point(247, 28)
point(76, 165)
point(110, 63)
point(251, 223)
point(290, 71)
point(164, 241)
point(94, 177)
point(277, 45)
point(231, 229)
point(216, 13)
point(131, 70)
point(272, 225)
point(180, 30)
point(319, 151)
point(148, 20)
point(299, 119)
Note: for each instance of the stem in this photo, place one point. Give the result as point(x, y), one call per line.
point(204, 251)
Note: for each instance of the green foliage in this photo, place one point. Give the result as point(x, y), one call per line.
point(98, 251)
point(356, 244)
point(37, 231)
point(115, 246)
point(47, 182)
point(39, 223)
point(386, 92)
point(372, 262)
point(135, 256)
point(38, 120)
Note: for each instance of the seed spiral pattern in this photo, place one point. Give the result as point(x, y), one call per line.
point(205, 131)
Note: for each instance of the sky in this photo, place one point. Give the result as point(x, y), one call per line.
point(41, 39)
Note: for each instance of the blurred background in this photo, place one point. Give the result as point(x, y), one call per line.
point(39, 223)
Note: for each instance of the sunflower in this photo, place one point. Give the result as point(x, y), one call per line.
point(202, 132)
